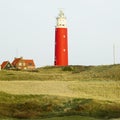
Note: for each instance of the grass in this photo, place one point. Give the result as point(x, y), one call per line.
point(44, 106)
point(86, 73)
point(61, 93)
point(101, 90)
point(105, 90)
point(71, 118)
point(63, 118)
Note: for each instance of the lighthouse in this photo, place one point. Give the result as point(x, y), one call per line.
point(61, 41)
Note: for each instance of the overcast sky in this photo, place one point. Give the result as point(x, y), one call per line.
point(27, 29)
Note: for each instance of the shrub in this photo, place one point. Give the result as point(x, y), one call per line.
point(67, 68)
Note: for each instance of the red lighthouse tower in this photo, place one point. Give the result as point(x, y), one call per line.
point(61, 41)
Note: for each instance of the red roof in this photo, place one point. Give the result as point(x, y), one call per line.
point(16, 60)
point(29, 62)
point(4, 64)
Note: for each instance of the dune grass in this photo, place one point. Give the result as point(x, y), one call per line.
point(105, 90)
point(63, 98)
point(72, 118)
point(92, 91)
point(86, 73)
point(61, 118)
point(45, 106)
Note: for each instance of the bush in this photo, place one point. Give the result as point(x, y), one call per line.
point(67, 68)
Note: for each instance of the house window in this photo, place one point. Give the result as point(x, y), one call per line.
point(23, 64)
point(19, 67)
point(20, 64)
point(25, 68)
point(8, 65)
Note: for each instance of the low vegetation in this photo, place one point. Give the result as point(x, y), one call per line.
point(55, 92)
point(44, 106)
point(103, 72)
point(78, 89)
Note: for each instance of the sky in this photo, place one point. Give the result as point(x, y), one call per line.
point(27, 29)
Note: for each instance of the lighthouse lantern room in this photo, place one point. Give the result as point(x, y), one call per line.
point(61, 41)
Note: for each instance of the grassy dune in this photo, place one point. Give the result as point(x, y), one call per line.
point(62, 118)
point(92, 91)
point(72, 118)
point(105, 90)
point(45, 106)
point(84, 73)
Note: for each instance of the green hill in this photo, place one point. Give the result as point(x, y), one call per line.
point(103, 72)
point(69, 92)
point(45, 106)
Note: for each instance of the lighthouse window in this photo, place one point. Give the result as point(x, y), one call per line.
point(64, 50)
